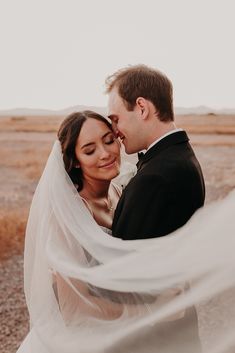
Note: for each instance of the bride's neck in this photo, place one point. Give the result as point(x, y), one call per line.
point(95, 189)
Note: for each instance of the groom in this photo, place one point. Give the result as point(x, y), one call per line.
point(169, 186)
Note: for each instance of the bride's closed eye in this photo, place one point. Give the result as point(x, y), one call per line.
point(108, 142)
point(109, 139)
point(89, 152)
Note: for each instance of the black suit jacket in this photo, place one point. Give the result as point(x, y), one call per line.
point(167, 189)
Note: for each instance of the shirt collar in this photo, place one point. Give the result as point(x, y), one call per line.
point(162, 137)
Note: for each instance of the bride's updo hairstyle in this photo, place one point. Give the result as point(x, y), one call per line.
point(68, 134)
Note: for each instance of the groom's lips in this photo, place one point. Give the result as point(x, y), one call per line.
point(121, 137)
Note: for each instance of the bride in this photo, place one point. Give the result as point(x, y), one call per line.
point(89, 292)
point(91, 157)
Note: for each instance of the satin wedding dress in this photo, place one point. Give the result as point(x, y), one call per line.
point(89, 292)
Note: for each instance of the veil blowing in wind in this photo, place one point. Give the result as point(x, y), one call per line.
point(89, 292)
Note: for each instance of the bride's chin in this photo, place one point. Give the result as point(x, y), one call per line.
point(117, 171)
point(114, 174)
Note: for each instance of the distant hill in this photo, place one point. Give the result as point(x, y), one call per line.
point(203, 110)
point(46, 112)
point(200, 110)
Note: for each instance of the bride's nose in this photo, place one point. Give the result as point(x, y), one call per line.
point(104, 152)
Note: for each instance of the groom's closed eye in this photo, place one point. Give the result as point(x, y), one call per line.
point(113, 118)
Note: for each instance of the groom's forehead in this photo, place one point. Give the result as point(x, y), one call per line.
point(115, 105)
point(114, 98)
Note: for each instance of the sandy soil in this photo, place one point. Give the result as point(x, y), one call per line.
point(25, 143)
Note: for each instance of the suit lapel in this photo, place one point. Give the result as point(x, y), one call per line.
point(173, 139)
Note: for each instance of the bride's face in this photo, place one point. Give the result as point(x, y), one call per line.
point(98, 151)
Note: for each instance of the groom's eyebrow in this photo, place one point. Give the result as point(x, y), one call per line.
point(92, 143)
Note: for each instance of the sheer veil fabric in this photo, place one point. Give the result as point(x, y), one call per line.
point(89, 292)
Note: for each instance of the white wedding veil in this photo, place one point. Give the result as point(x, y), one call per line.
point(89, 292)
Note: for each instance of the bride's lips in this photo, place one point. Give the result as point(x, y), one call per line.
point(109, 164)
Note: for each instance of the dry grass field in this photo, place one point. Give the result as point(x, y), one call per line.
point(25, 143)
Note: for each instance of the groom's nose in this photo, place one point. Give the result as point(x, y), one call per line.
point(115, 129)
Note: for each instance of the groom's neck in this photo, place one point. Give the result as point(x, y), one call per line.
point(159, 130)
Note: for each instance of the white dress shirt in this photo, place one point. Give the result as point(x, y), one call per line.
point(162, 137)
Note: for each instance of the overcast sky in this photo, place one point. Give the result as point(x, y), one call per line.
point(57, 53)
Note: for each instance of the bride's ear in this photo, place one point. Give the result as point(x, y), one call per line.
point(143, 106)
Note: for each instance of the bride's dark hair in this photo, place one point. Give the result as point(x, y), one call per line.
point(68, 134)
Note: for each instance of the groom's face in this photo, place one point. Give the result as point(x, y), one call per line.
point(126, 124)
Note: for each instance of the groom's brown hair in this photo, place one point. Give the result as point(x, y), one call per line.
point(142, 81)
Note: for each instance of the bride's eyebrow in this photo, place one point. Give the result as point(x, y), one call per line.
point(88, 144)
point(93, 143)
point(107, 133)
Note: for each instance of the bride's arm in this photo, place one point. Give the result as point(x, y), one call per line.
point(74, 298)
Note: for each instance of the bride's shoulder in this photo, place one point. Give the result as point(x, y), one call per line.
point(117, 187)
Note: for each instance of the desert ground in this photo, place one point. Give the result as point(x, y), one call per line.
point(25, 143)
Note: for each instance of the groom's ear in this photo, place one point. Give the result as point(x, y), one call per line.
point(143, 106)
